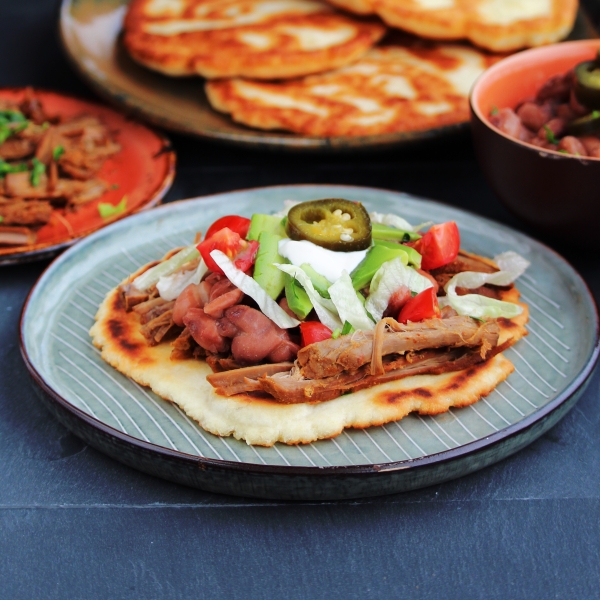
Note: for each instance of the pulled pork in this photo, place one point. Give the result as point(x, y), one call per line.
point(48, 163)
point(327, 369)
point(156, 316)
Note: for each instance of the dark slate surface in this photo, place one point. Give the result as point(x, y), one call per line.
point(75, 524)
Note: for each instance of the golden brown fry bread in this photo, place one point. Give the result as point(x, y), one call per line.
point(263, 422)
point(497, 25)
point(395, 88)
point(261, 39)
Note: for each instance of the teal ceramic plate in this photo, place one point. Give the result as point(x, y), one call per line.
point(133, 425)
point(90, 32)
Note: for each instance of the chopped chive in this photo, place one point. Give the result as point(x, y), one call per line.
point(563, 151)
point(45, 125)
point(1, 218)
point(335, 334)
point(494, 111)
point(57, 153)
point(107, 210)
point(347, 328)
point(477, 319)
point(595, 114)
point(6, 131)
point(39, 168)
point(114, 186)
point(6, 168)
point(550, 135)
point(12, 116)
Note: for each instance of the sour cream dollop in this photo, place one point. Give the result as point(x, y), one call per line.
point(328, 263)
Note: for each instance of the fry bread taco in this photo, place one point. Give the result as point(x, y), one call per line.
point(291, 327)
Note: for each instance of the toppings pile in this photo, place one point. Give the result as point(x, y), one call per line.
point(323, 299)
point(48, 165)
point(564, 116)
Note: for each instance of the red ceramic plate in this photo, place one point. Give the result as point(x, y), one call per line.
point(142, 171)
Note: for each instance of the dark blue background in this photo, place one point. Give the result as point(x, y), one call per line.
point(76, 524)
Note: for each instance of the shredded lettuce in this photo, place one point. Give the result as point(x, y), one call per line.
point(287, 204)
point(151, 276)
point(511, 265)
point(325, 309)
point(170, 286)
point(349, 307)
point(390, 276)
point(391, 220)
point(251, 288)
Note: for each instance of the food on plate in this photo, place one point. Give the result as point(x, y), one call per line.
point(393, 88)
point(564, 116)
point(262, 39)
point(268, 338)
point(46, 163)
point(497, 25)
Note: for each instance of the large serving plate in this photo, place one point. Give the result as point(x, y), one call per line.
point(133, 425)
point(90, 33)
point(142, 173)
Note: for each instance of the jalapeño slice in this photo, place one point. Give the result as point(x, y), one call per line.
point(585, 125)
point(333, 223)
point(587, 82)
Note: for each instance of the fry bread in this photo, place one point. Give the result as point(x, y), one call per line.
point(260, 421)
point(260, 39)
point(497, 25)
point(393, 88)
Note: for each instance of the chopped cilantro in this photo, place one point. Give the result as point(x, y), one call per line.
point(494, 111)
point(107, 210)
point(12, 116)
point(39, 168)
point(347, 328)
point(6, 131)
point(57, 152)
point(550, 135)
point(6, 168)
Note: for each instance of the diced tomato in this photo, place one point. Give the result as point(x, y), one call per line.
point(241, 252)
point(397, 300)
point(439, 246)
point(245, 259)
point(422, 306)
point(313, 331)
point(436, 285)
point(233, 222)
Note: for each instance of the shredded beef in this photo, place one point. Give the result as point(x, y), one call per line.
point(348, 353)
point(183, 346)
point(289, 387)
point(233, 382)
point(132, 296)
point(25, 212)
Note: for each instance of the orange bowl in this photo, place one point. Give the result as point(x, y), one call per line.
point(557, 194)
